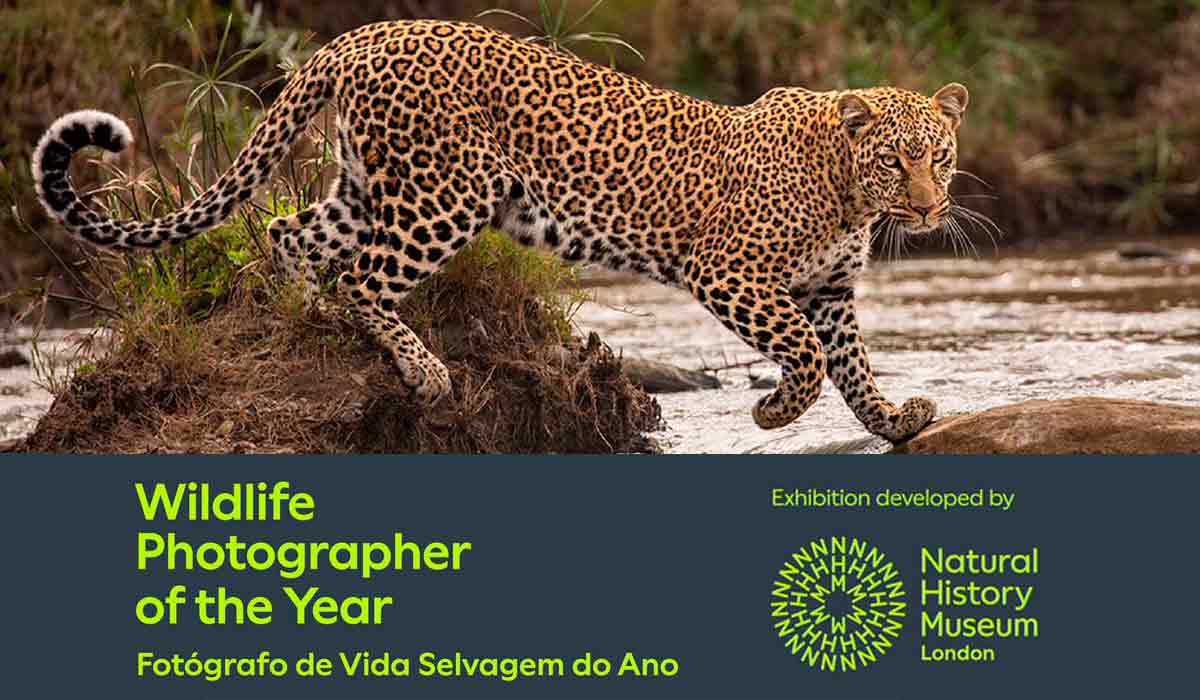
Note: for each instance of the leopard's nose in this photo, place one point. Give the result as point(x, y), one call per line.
point(923, 210)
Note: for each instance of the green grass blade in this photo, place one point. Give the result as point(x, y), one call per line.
point(507, 13)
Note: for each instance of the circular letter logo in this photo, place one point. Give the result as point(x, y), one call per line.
point(838, 604)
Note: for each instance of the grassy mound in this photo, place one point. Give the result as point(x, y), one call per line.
point(208, 349)
point(234, 366)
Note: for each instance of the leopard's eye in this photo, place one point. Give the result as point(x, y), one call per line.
point(941, 156)
point(890, 161)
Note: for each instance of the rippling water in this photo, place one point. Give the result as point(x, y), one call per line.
point(23, 398)
point(969, 333)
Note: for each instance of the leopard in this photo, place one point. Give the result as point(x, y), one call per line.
point(763, 212)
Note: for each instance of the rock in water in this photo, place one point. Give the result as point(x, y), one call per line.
point(661, 378)
point(11, 358)
point(1069, 426)
point(765, 381)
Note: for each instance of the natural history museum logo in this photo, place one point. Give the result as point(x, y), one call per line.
point(838, 604)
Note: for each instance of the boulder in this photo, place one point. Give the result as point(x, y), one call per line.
point(1069, 426)
point(661, 378)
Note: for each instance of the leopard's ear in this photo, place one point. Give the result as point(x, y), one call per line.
point(951, 101)
point(857, 115)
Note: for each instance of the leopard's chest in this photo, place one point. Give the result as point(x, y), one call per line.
point(835, 262)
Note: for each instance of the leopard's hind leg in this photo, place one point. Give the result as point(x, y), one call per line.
point(419, 222)
point(327, 234)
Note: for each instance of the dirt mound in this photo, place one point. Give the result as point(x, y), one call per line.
point(324, 389)
point(252, 376)
point(1070, 426)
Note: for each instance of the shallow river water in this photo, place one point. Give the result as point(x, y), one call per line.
point(23, 398)
point(968, 333)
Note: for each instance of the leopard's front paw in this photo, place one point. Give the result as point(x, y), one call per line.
point(766, 415)
point(913, 416)
point(776, 410)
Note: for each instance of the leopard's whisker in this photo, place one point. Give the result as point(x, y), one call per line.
point(901, 244)
point(877, 230)
point(967, 243)
point(885, 232)
point(981, 221)
point(973, 176)
point(948, 235)
point(966, 238)
point(894, 237)
point(976, 217)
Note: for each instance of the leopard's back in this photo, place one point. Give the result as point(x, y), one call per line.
point(608, 168)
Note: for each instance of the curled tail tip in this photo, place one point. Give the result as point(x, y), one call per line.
point(72, 132)
point(52, 156)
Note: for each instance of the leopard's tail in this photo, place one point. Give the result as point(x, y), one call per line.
point(285, 121)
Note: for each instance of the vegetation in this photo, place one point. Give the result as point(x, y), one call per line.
point(558, 31)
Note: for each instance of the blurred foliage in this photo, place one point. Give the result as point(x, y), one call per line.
point(1083, 121)
point(1083, 116)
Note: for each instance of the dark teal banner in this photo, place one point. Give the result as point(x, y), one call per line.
point(557, 577)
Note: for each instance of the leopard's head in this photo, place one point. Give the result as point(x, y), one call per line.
point(904, 151)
